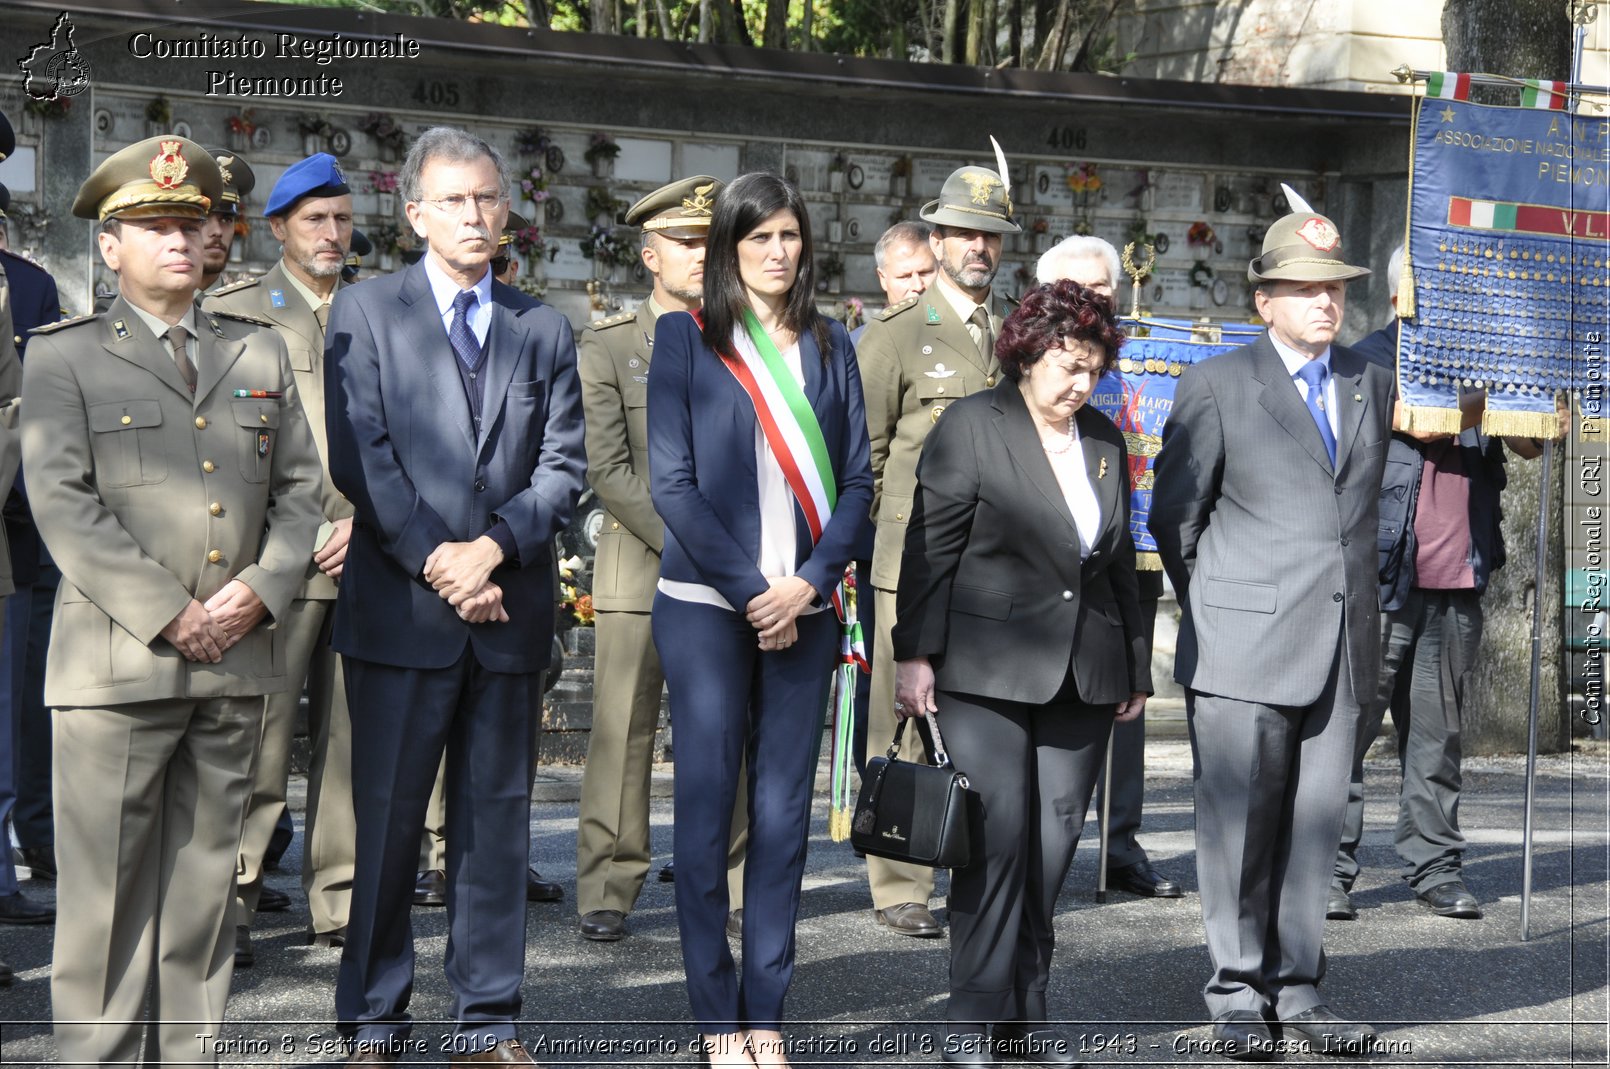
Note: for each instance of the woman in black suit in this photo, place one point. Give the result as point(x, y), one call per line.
point(759, 468)
point(1019, 624)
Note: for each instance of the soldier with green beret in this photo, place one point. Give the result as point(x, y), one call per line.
point(917, 357)
point(175, 481)
point(612, 835)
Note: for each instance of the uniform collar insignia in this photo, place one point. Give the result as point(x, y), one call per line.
point(121, 329)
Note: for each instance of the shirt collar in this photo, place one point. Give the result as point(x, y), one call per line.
point(158, 327)
point(445, 289)
point(1294, 360)
point(313, 299)
point(959, 302)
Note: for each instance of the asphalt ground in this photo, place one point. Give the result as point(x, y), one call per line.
point(1126, 981)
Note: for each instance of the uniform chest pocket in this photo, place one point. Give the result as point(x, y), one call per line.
point(935, 395)
point(126, 443)
point(257, 423)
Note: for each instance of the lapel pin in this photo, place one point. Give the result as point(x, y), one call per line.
point(121, 329)
point(1101, 470)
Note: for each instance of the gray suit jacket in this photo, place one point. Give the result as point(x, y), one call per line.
point(1271, 551)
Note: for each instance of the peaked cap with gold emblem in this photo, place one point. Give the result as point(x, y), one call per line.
point(1302, 247)
point(973, 198)
point(238, 181)
point(160, 176)
point(679, 210)
point(513, 225)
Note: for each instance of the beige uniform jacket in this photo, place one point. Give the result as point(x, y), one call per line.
point(612, 357)
point(10, 440)
point(916, 358)
point(148, 497)
point(272, 297)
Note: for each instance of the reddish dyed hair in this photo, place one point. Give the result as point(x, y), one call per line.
point(1048, 317)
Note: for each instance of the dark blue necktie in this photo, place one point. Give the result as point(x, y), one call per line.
point(1314, 373)
point(460, 334)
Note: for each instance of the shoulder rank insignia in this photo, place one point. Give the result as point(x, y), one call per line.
point(234, 287)
point(256, 321)
point(612, 321)
point(895, 309)
point(276, 298)
point(62, 324)
point(216, 329)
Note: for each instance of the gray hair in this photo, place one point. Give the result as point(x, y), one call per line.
point(905, 232)
point(452, 145)
point(1394, 270)
point(1054, 264)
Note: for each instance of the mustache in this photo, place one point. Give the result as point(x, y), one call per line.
point(480, 231)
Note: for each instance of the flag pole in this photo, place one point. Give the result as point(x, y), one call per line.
point(1407, 74)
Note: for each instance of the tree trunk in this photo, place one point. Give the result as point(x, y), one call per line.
point(806, 20)
point(1056, 39)
point(704, 20)
point(950, 33)
point(536, 14)
point(601, 21)
point(665, 20)
point(1014, 31)
point(642, 18)
point(775, 33)
point(1521, 39)
point(739, 28)
point(975, 33)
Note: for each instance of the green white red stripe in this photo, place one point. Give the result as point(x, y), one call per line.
point(1448, 85)
point(1516, 218)
point(1547, 95)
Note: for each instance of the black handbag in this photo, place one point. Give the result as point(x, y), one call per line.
point(913, 812)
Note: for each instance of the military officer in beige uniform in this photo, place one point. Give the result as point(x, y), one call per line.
point(612, 835)
point(310, 211)
point(917, 357)
point(174, 478)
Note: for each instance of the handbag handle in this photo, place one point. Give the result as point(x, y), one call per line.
point(940, 756)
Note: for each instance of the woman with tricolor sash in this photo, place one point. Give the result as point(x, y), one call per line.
point(759, 468)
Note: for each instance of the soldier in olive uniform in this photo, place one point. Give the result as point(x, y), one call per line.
point(310, 211)
point(917, 357)
point(176, 483)
point(218, 232)
point(612, 834)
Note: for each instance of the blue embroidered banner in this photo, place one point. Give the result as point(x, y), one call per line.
point(1139, 396)
point(1507, 262)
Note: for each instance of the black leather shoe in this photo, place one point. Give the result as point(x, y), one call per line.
point(1452, 899)
point(41, 861)
point(668, 872)
point(245, 956)
point(913, 919)
point(6, 975)
point(334, 938)
point(966, 1048)
point(604, 925)
point(20, 909)
point(1339, 907)
point(735, 923)
point(538, 889)
point(272, 901)
point(1141, 879)
point(430, 888)
point(1037, 1046)
point(1329, 1034)
point(1243, 1035)
point(372, 1054)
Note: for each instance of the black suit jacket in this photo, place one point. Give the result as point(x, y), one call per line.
point(992, 589)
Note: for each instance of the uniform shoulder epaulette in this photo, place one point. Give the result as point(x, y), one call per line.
point(63, 324)
point(245, 283)
point(224, 313)
point(612, 321)
point(895, 309)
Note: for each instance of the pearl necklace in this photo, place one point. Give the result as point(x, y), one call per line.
point(1065, 442)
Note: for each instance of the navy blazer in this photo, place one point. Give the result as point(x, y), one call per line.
point(701, 438)
point(34, 303)
point(404, 450)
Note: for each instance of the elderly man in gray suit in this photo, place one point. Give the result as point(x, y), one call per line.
point(1264, 511)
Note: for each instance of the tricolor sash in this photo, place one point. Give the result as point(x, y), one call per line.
point(794, 434)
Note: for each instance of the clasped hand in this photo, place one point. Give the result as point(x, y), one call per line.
point(460, 572)
point(206, 632)
point(775, 613)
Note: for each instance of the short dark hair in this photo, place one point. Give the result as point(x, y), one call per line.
point(745, 203)
point(1048, 317)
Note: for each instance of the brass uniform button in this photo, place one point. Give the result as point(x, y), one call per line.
point(208, 467)
point(262, 417)
point(614, 526)
point(215, 556)
point(990, 381)
point(201, 423)
point(127, 420)
point(216, 509)
point(900, 516)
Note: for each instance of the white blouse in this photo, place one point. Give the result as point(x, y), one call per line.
point(1074, 479)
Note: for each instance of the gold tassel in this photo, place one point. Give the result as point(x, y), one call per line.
point(1148, 562)
point(1501, 423)
point(838, 824)
point(1432, 420)
point(1406, 286)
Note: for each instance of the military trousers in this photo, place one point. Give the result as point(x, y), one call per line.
point(892, 882)
point(149, 815)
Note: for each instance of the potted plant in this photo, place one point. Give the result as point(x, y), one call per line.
point(316, 131)
point(391, 138)
point(390, 242)
point(854, 313)
point(534, 185)
point(531, 141)
point(835, 173)
point(600, 154)
point(383, 184)
point(158, 116)
point(605, 250)
point(1041, 229)
point(601, 207)
point(241, 127)
point(900, 177)
point(532, 249)
point(830, 268)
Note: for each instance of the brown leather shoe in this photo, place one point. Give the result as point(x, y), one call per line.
point(509, 1052)
point(372, 1054)
point(538, 889)
point(910, 918)
point(430, 888)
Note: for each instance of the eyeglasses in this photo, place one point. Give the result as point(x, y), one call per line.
point(453, 204)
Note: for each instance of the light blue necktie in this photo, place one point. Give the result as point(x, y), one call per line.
point(460, 334)
point(1314, 373)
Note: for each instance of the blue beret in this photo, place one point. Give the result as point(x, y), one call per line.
point(317, 176)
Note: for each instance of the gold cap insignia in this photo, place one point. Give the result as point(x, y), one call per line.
point(701, 203)
point(224, 164)
point(981, 185)
point(168, 167)
point(1319, 233)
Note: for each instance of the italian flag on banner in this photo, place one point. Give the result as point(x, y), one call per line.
point(1542, 94)
point(1448, 85)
